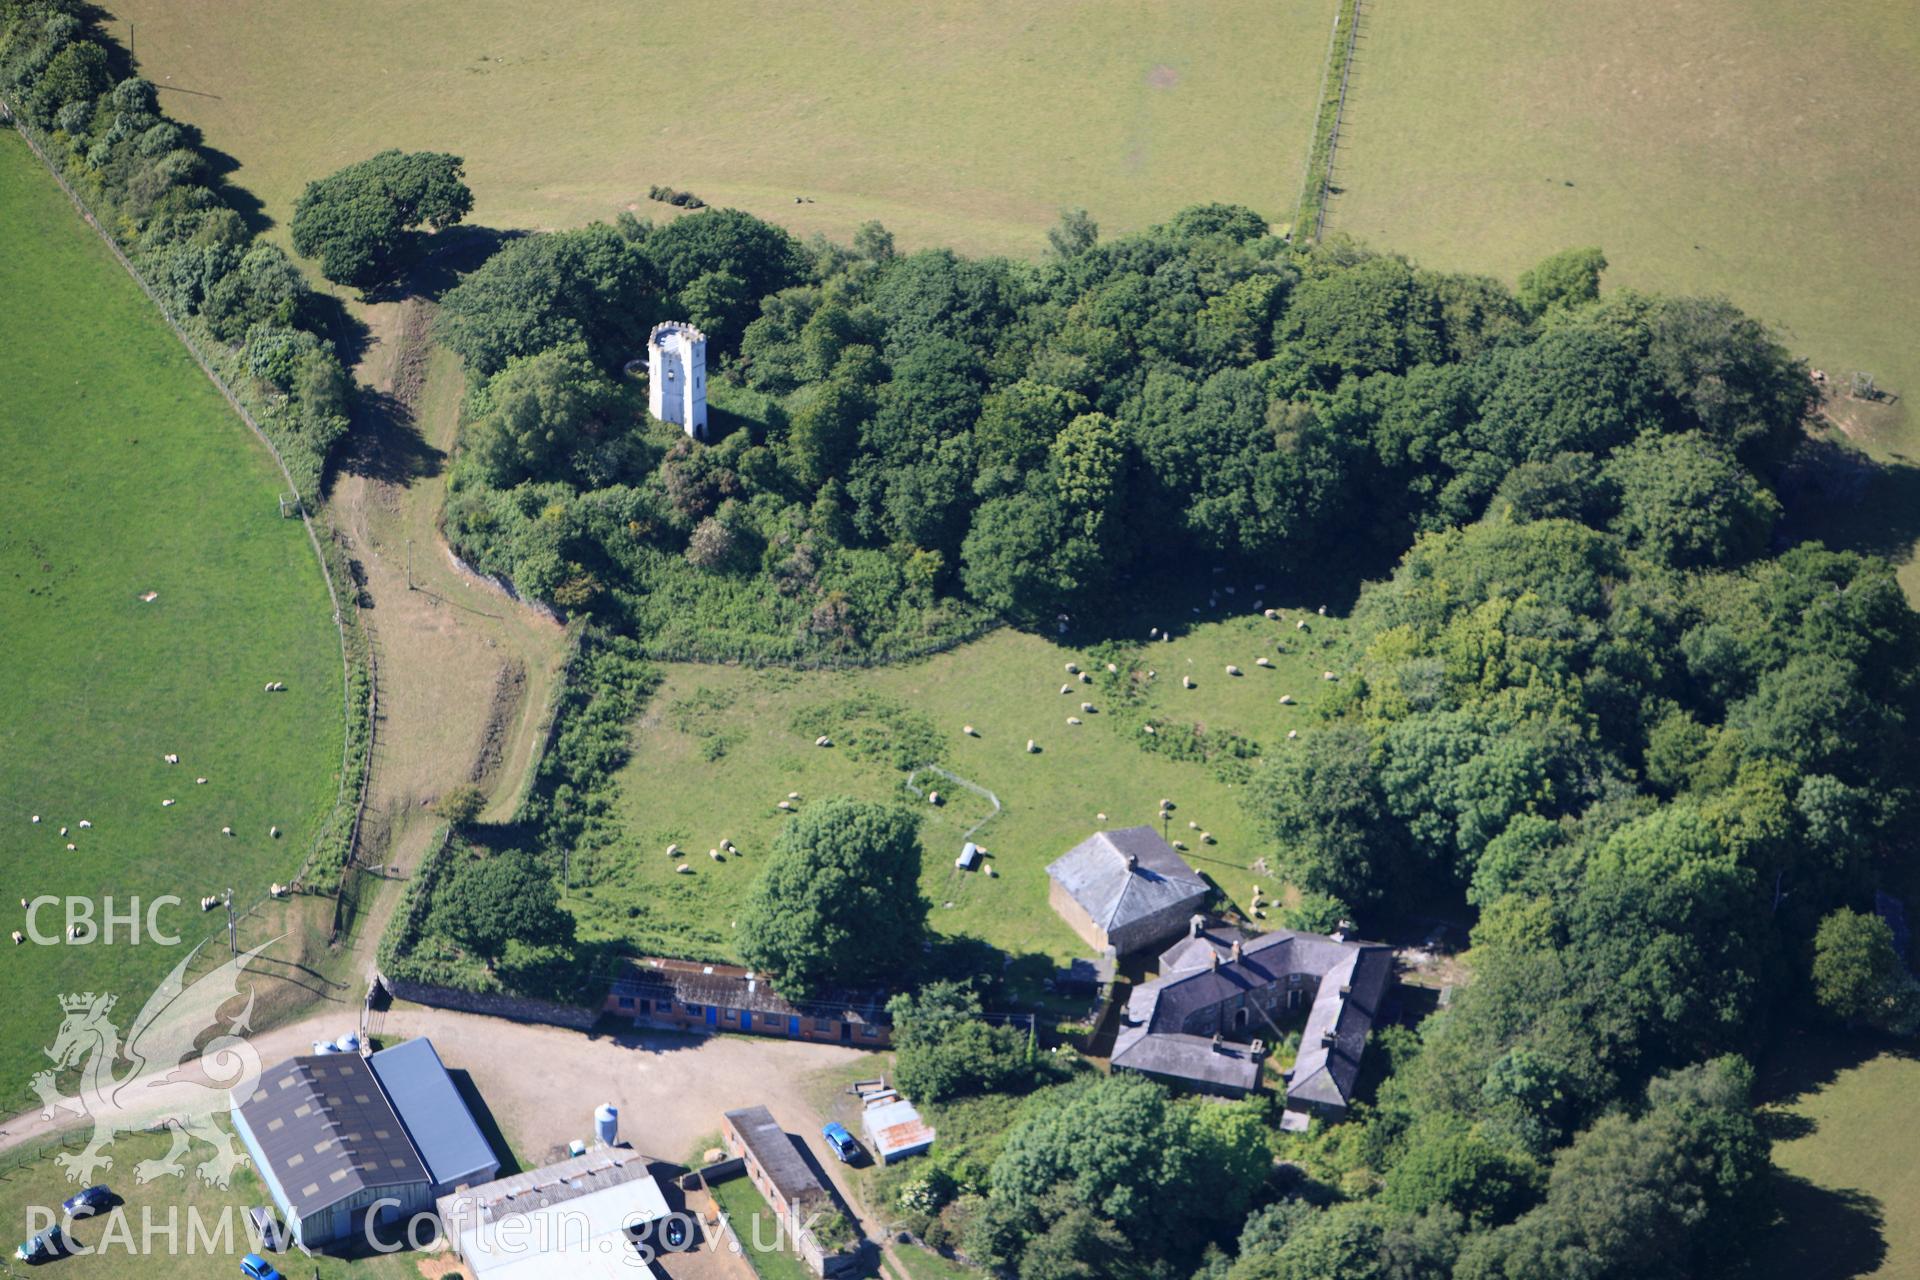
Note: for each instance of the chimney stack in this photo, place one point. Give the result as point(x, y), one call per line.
point(1195, 924)
point(1236, 951)
point(1133, 861)
point(1218, 1042)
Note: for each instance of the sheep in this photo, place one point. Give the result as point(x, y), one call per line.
point(1293, 733)
point(793, 795)
point(969, 730)
point(1259, 586)
point(73, 931)
point(1271, 614)
point(1086, 706)
point(1259, 915)
point(1206, 837)
point(1180, 844)
point(1033, 748)
point(199, 782)
point(1099, 817)
point(673, 850)
point(1066, 688)
point(1232, 670)
point(1151, 674)
point(1167, 804)
point(1085, 678)
point(72, 847)
point(1263, 661)
point(1147, 728)
point(18, 937)
point(823, 741)
point(35, 818)
point(85, 823)
point(1323, 611)
point(1328, 675)
point(267, 688)
point(1073, 719)
point(166, 804)
point(226, 831)
point(171, 757)
point(1186, 682)
point(714, 854)
point(991, 873)
point(1286, 699)
point(933, 797)
point(23, 902)
point(683, 870)
point(1113, 668)
point(277, 889)
point(786, 806)
point(1193, 826)
point(1300, 624)
point(274, 832)
point(63, 831)
point(209, 902)
point(726, 844)
point(1073, 668)
point(1153, 633)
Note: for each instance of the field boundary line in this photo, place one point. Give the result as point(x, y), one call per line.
point(1318, 175)
point(340, 623)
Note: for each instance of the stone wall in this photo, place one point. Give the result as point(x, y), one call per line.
point(492, 1004)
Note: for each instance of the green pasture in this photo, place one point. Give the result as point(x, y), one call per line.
point(1758, 149)
point(126, 473)
point(755, 1223)
point(957, 123)
point(1844, 1118)
point(719, 748)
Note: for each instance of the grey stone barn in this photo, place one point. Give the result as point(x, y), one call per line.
point(1205, 1022)
point(1125, 890)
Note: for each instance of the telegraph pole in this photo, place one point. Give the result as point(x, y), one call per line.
point(233, 947)
point(409, 564)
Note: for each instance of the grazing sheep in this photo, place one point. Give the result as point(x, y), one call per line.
point(226, 831)
point(1180, 844)
point(1152, 674)
point(933, 797)
point(1113, 668)
point(166, 804)
point(786, 806)
point(823, 741)
point(1206, 837)
point(969, 730)
point(1146, 728)
point(1033, 747)
point(85, 823)
point(714, 854)
point(1263, 662)
point(1328, 675)
point(1186, 682)
point(1153, 633)
point(1086, 706)
point(209, 902)
point(72, 847)
point(1323, 611)
point(63, 831)
point(23, 902)
point(793, 795)
point(1085, 678)
point(1293, 733)
point(726, 844)
point(199, 782)
point(1229, 590)
point(1272, 613)
point(1300, 625)
point(1193, 826)
point(18, 938)
point(1066, 688)
point(1286, 699)
point(1232, 670)
point(266, 688)
point(1168, 804)
point(274, 832)
point(1073, 719)
point(73, 931)
point(1259, 586)
point(35, 818)
point(1099, 817)
point(672, 850)
point(1259, 915)
point(277, 890)
point(1073, 668)
point(683, 870)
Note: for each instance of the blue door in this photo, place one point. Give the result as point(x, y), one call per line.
point(746, 1019)
point(793, 1026)
point(713, 1016)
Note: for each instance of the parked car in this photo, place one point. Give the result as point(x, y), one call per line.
point(49, 1244)
point(841, 1141)
point(85, 1204)
point(255, 1267)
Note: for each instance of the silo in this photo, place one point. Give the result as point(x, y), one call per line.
point(606, 1123)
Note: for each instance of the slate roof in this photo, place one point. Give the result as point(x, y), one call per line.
point(428, 1103)
point(542, 1188)
point(1353, 978)
point(1115, 892)
point(323, 1124)
point(775, 1153)
point(728, 986)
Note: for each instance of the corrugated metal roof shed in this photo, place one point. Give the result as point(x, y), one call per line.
point(436, 1116)
point(324, 1125)
point(895, 1130)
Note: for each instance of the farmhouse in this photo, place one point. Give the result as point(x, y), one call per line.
point(334, 1135)
point(1200, 1023)
point(567, 1221)
point(1125, 890)
point(682, 995)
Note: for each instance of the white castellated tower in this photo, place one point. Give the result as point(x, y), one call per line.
point(677, 376)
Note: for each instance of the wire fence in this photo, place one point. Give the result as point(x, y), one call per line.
point(1317, 179)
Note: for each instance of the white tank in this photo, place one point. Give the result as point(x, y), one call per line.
point(348, 1043)
point(323, 1046)
point(606, 1123)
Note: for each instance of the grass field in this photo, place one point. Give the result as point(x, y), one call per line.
point(958, 122)
point(756, 1224)
point(1849, 1188)
point(719, 748)
point(1759, 149)
point(126, 473)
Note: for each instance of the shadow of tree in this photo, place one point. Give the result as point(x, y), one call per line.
point(1834, 493)
point(1822, 1233)
point(385, 442)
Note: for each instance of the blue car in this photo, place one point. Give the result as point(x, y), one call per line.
point(86, 1203)
point(841, 1141)
point(255, 1267)
point(49, 1244)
